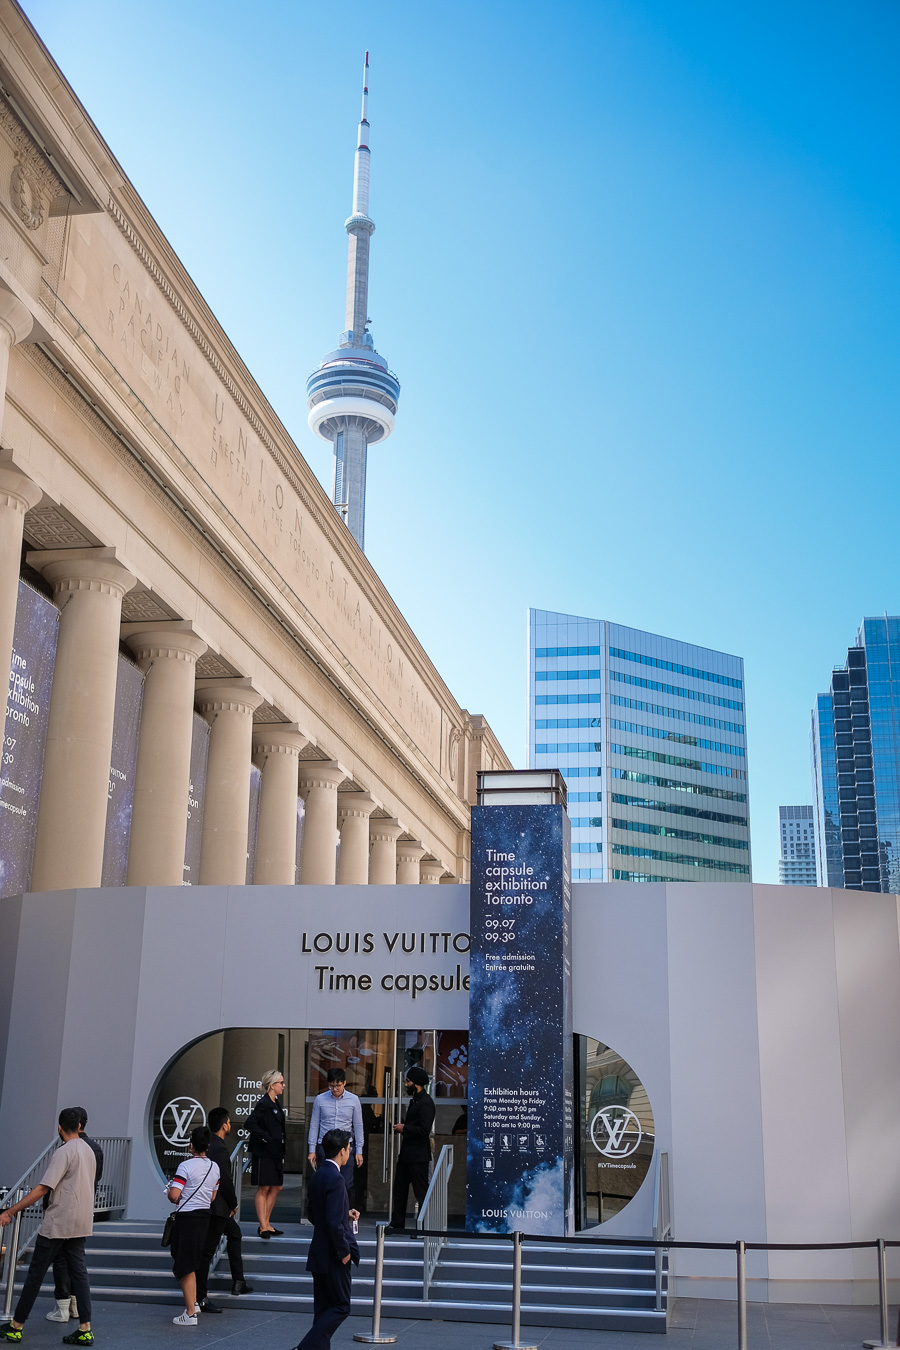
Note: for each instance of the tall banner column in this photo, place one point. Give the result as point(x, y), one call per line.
point(521, 1099)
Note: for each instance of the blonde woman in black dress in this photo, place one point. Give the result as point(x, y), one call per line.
point(266, 1130)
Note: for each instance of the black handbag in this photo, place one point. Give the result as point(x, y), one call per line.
point(166, 1239)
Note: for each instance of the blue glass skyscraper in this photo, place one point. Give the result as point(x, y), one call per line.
point(855, 742)
point(649, 734)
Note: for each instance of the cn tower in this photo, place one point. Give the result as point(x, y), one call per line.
point(352, 396)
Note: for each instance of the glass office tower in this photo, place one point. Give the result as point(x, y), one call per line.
point(649, 735)
point(855, 740)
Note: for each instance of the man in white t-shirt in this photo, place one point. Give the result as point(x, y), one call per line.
point(68, 1220)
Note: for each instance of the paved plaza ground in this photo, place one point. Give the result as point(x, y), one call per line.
point(695, 1324)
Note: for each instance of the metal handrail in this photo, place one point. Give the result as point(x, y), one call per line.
point(434, 1214)
point(662, 1209)
point(238, 1165)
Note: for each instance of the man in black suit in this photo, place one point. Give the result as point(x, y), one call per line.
point(221, 1216)
point(415, 1148)
point(333, 1246)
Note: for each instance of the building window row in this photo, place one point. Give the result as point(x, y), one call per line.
point(567, 674)
point(567, 651)
point(676, 690)
point(619, 875)
point(587, 848)
point(682, 859)
point(568, 748)
point(668, 832)
point(585, 796)
point(661, 710)
point(676, 784)
point(542, 699)
point(580, 773)
point(559, 723)
point(587, 873)
point(697, 812)
point(701, 767)
point(660, 733)
point(673, 665)
point(586, 822)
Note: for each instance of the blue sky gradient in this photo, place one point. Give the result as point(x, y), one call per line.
point(636, 266)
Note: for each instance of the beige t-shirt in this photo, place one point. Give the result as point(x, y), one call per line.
point(70, 1175)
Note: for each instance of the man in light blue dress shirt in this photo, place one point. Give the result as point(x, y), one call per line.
point(337, 1109)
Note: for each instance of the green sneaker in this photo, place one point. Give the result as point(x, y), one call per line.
point(79, 1337)
point(10, 1333)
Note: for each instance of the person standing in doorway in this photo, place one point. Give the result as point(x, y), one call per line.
point(333, 1248)
point(337, 1109)
point(68, 1221)
point(267, 1142)
point(415, 1148)
point(222, 1214)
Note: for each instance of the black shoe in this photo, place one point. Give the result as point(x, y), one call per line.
point(241, 1287)
point(264, 1233)
point(207, 1305)
point(275, 1232)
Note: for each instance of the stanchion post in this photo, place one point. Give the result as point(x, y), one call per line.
point(741, 1251)
point(884, 1343)
point(515, 1343)
point(12, 1257)
point(375, 1337)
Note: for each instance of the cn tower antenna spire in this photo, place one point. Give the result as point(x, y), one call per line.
point(352, 397)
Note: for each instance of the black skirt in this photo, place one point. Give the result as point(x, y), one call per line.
point(266, 1172)
point(188, 1241)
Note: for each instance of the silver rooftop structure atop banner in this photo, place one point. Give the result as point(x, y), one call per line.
point(521, 787)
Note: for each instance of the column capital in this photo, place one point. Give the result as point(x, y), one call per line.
point(360, 804)
point(320, 773)
point(385, 831)
point(83, 569)
point(229, 695)
point(430, 871)
point(17, 489)
point(279, 738)
point(410, 850)
point(176, 640)
point(16, 319)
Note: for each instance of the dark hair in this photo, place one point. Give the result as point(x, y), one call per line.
point(334, 1141)
point(217, 1118)
point(82, 1117)
point(69, 1120)
point(336, 1076)
point(200, 1137)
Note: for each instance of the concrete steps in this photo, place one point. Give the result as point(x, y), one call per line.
point(602, 1288)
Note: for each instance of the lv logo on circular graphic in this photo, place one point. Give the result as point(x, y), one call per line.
point(177, 1118)
point(616, 1132)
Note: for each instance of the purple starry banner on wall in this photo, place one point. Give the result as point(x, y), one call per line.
point(521, 1107)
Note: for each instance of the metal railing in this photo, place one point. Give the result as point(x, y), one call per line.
point(740, 1249)
point(111, 1197)
point(239, 1161)
point(662, 1210)
point(433, 1215)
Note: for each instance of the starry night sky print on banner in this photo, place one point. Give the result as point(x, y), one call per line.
point(520, 1137)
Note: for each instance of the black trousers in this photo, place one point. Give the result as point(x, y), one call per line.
point(45, 1253)
point(410, 1172)
point(219, 1224)
point(331, 1306)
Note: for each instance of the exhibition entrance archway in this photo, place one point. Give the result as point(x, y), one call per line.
point(225, 1069)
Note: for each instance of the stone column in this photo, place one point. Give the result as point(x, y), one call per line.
point(383, 835)
point(88, 586)
point(17, 495)
point(409, 855)
point(430, 872)
point(167, 654)
point(228, 706)
point(354, 809)
point(276, 751)
point(319, 779)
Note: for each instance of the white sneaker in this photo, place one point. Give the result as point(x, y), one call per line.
point(73, 1308)
point(61, 1312)
point(185, 1320)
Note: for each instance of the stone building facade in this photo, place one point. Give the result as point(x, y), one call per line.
point(149, 490)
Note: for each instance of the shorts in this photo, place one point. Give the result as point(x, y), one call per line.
point(188, 1241)
point(266, 1172)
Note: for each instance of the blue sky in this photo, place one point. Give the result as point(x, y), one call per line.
point(636, 266)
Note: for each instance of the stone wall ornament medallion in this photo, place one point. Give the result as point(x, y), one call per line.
point(26, 197)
